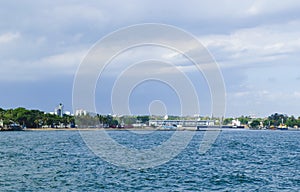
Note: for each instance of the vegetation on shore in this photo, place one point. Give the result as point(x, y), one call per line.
point(38, 119)
point(33, 118)
point(273, 120)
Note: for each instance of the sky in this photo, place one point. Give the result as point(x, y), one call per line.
point(256, 44)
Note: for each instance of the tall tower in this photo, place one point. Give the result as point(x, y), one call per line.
point(59, 110)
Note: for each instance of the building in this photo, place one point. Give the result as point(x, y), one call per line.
point(236, 122)
point(181, 123)
point(68, 113)
point(59, 110)
point(80, 112)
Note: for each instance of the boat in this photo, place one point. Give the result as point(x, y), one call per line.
point(282, 127)
point(169, 127)
point(14, 127)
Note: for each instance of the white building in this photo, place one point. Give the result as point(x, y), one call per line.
point(80, 112)
point(182, 123)
point(68, 113)
point(236, 122)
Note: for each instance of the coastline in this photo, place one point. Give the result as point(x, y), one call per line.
point(111, 129)
point(152, 129)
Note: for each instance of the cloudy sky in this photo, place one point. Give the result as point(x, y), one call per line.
point(255, 42)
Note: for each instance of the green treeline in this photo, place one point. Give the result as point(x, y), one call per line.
point(37, 119)
point(275, 119)
point(96, 120)
point(33, 118)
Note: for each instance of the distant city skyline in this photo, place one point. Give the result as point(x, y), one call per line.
point(255, 43)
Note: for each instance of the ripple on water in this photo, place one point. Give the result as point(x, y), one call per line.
point(238, 161)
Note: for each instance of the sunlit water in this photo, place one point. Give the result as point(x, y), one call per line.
point(238, 161)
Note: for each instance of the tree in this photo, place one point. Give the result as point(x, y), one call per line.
point(33, 118)
point(255, 124)
point(244, 120)
point(2, 112)
point(291, 121)
point(143, 119)
point(100, 118)
point(227, 121)
point(49, 119)
point(276, 119)
point(298, 122)
point(266, 123)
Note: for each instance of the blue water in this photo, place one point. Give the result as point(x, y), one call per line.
point(238, 161)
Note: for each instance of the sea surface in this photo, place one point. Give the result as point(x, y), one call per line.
point(239, 160)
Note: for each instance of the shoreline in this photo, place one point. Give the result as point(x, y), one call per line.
point(122, 129)
point(112, 129)
point(153, 129)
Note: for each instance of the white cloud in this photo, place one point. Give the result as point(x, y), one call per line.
point(296, 94)
point(241, 94)
point(262, 103)
point(8, 37)
point(255, 45)
point(269, 6)
point(48, 67)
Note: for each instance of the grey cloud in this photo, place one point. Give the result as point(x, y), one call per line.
point(48, 37)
